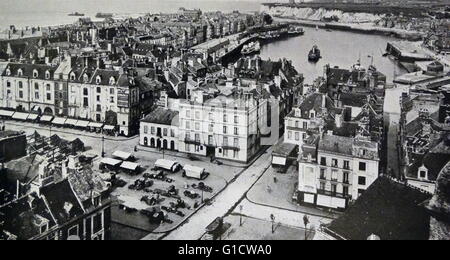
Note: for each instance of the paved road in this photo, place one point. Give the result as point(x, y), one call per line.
point(223, 203)
point(285, 217)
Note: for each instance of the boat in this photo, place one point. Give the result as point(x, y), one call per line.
point(270, 36)
point(76, 14)
point(104, 15)
point(296, 31)
point(253, 47)
point(314, 54)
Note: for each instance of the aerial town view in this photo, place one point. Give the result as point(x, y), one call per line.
point(224, 120)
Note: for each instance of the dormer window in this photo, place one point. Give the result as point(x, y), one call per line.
point(112, 81)
point(96, 201)
point(35, 74)
point(98, 80)
point(72, 76)
point(8, 72)
point(85, 78)
point(47, 74)
point(423, 173)
point(131, 81)
point(20, 73)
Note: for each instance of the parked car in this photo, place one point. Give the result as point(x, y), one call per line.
point(201, 186)
point(191, 194)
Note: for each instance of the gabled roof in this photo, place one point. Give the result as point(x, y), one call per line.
point(66, 207)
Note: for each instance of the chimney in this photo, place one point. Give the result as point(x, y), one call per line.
point(338, 120)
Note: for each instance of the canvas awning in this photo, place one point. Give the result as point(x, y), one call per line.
point(276, 160)
point(46, 118)
point(71, 122)
point(165, 164)
point(122, 155)
point(95, 124)
point(6, 113)
point(59, 121)
point(32, 116)
point(20, 116)
point(82, 123)
point(109, 127)
point(130, 166)
point(110, 161)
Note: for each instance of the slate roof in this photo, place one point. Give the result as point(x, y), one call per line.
point(388, 209)
point(27, 70)
point(161, 116)
point(336, 144)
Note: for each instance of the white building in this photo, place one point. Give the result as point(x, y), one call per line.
point(336, 170)
point(159, 129)
point(225, 127)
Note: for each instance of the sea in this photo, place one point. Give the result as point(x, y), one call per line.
point(338, 48)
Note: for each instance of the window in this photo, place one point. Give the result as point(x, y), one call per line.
point(49, 96)
point(423, 174)
point(188, 136)
point(297, 124)
point(36, 95)
point(98, 98)
point(111, 99)
point(98, 225)
point(333, 189)
point(197, 114)
point(197, 138)
point(210, 116)
point(236, 131)
point(85, 91)
point(225, 153)
point(345, 190)
point(35, 74)
point(85, 102)
point(224, 129)
point(152, 130)
point(323, 161)
point(305, 125)
point(335, 162)
point(323, 174)
point(145, 129)
point(165, 132)
point(322, 186)
point(44, 228)
point(99, 108)
point(297, 136)
point(188, 113)
point(36, 86)
point(211, 128)
point(290, 135)
point(48, 87)
point(20, 84)
point(187, 147)
point(188, 125)
point(197, 126)
point(235, 154)
point(20, 94)
point(236, 142)
point(8, 84)
point(345, 177)
point(236, 119)
point(225, 141)
point(347, 165)
point(99, 90)
point(362, 180)
point(224, 118)
point(210, 139)
point(111, 91)
point(172, 132)
point(73, 231)
point(362, 166)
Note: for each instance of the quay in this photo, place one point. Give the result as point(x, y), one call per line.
point(407, 51)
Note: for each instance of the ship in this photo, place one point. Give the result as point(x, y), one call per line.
point(104, 15)
point(270, 36)
point(314, 54)
point(294, 31)
point(76, 14)
point(253, 47)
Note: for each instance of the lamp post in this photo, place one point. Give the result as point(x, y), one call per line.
point(306, 222)
point(103, 145)
point(241, 207)
point(272, 218)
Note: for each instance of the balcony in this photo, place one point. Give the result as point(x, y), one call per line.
point(189, 141)
point(332, 194)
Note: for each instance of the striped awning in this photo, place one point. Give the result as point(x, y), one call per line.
point(46, 118)
point(6, 113)
point(72, 122)
point(82, 123)
point(20, 116)
point(59, 121)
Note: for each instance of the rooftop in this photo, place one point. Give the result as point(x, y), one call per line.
point(162, 116)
